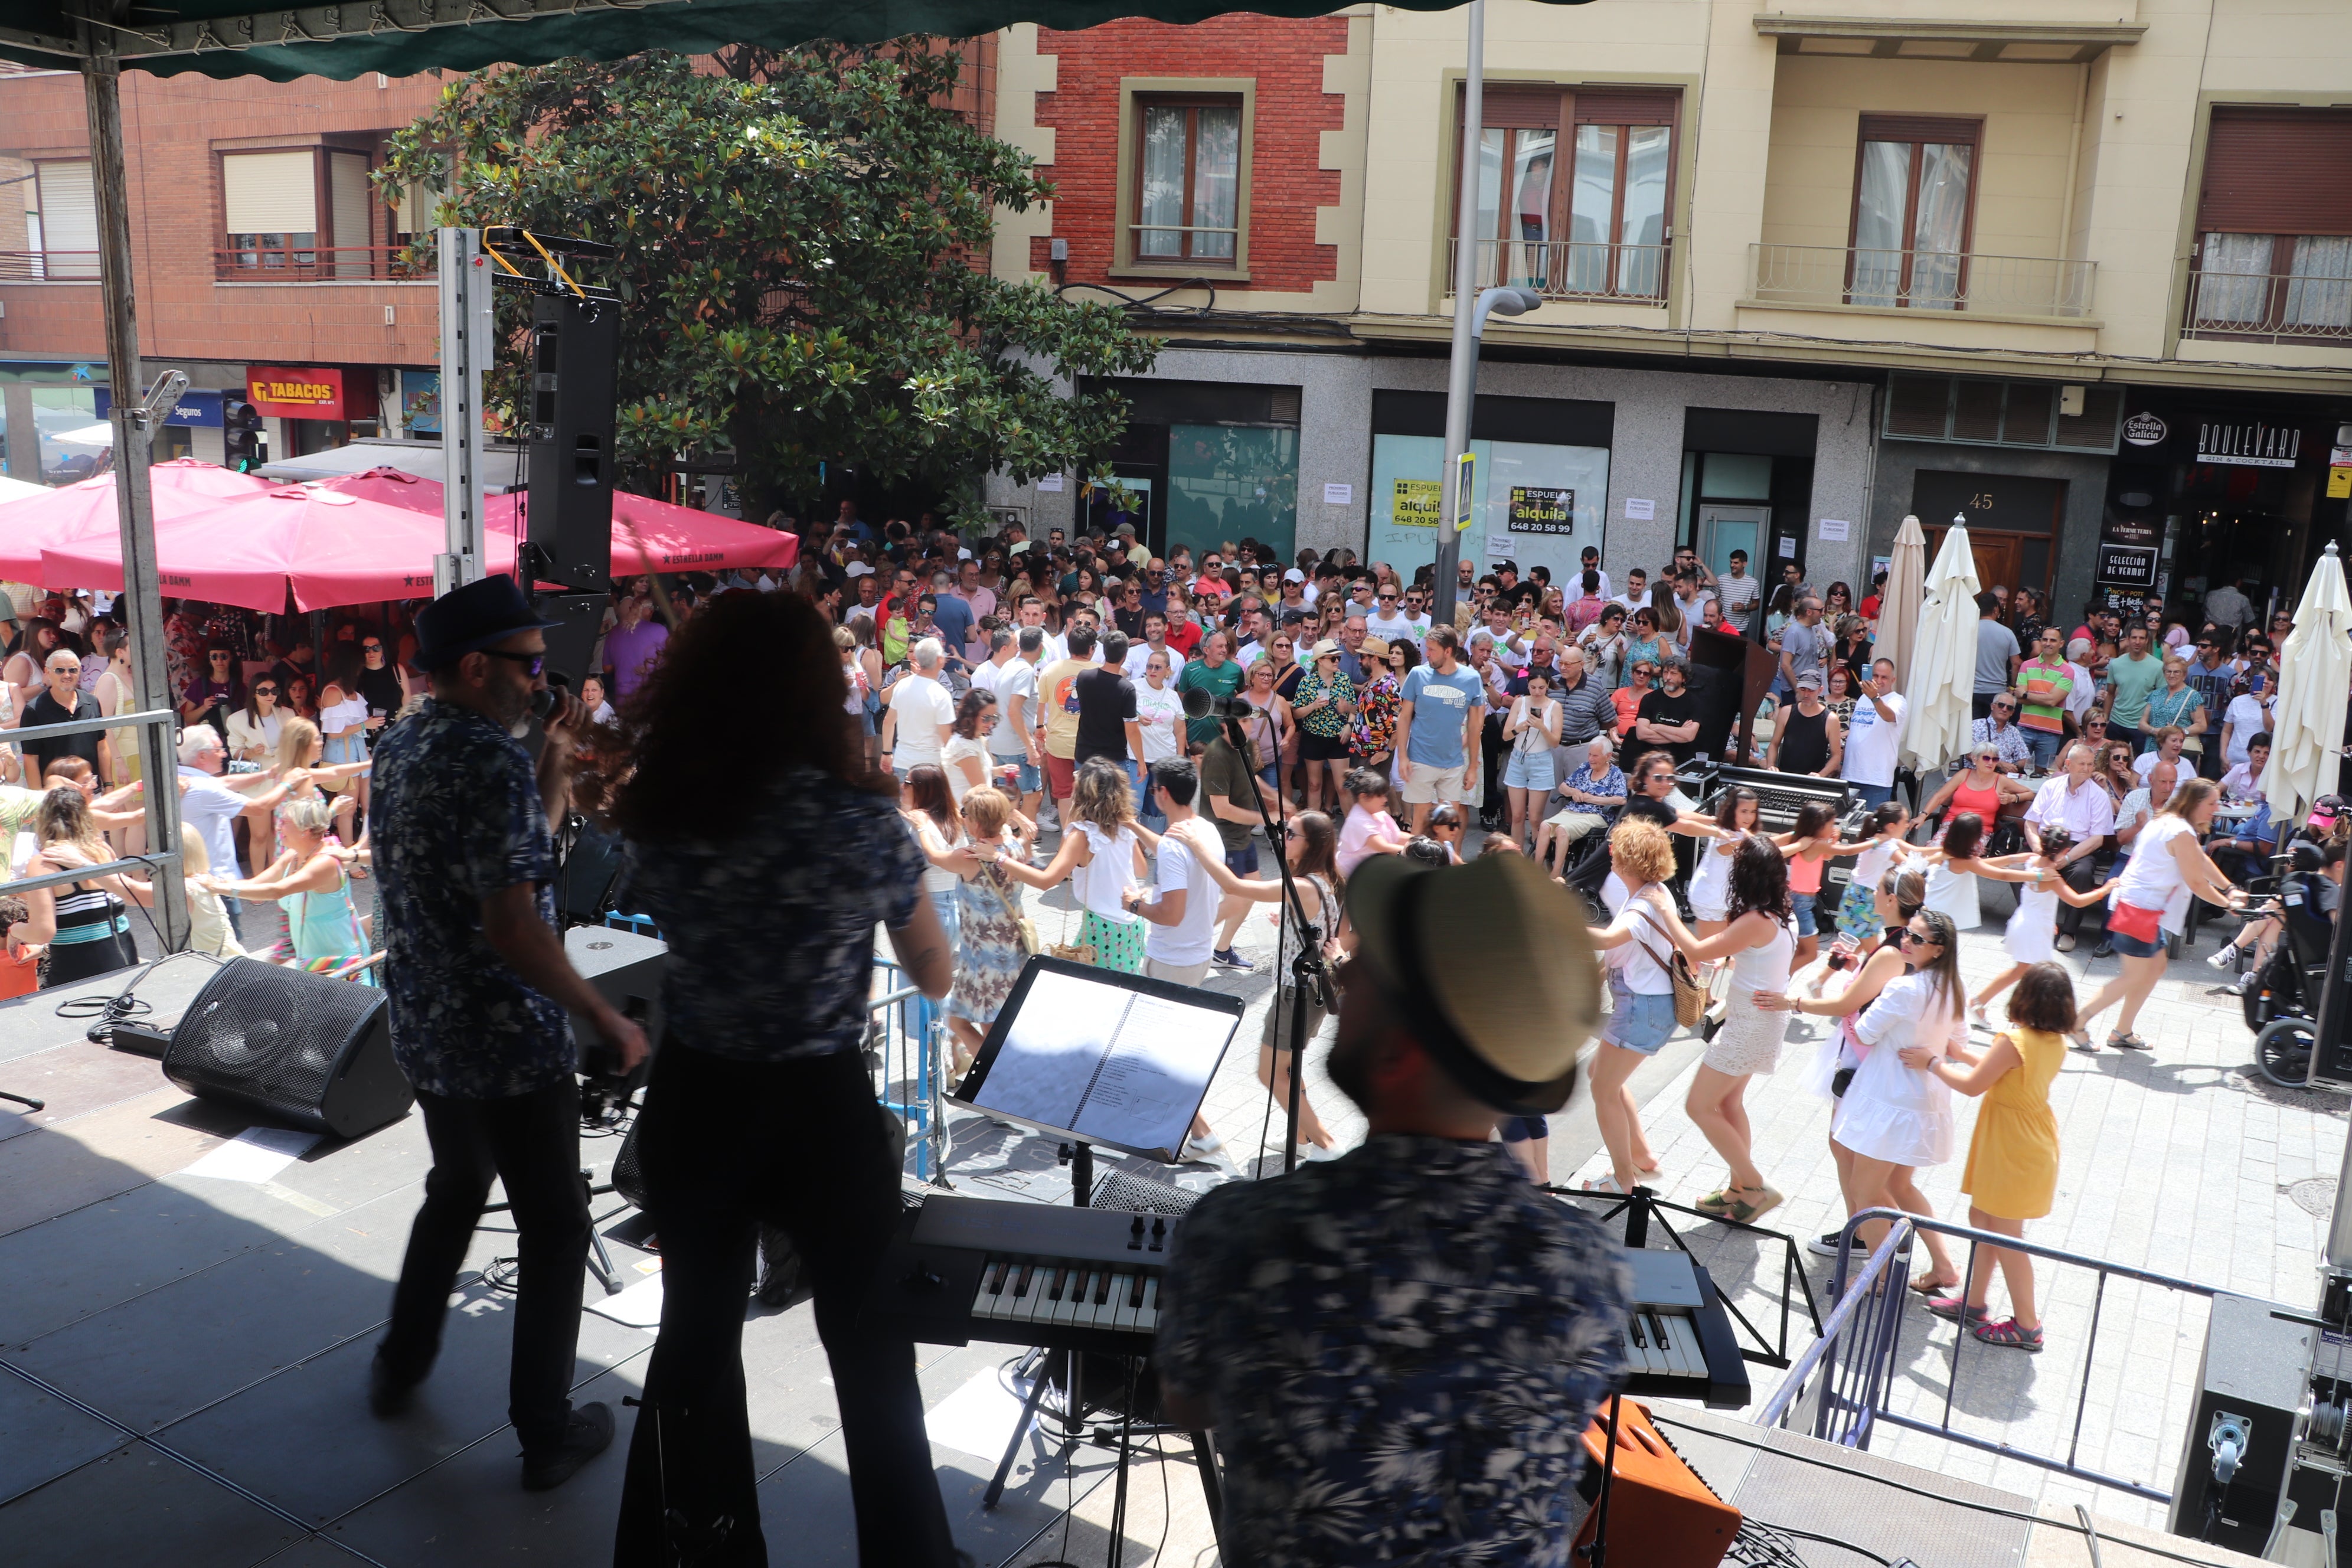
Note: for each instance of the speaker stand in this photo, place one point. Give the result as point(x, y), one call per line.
point(28, 1101)
point(599, 1262)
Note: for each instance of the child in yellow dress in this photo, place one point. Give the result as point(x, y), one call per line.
point(2012, 1169)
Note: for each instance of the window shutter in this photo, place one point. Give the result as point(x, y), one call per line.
point(354, 203)
point(271, 192)
point(1943, 129)
point(414, 214)
point(68, 219)
point(1919, 405)
point(1509, 106)
point(1611, 107)
point(2277, 171)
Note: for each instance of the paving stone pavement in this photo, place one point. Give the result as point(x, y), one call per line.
point(2178, 1161)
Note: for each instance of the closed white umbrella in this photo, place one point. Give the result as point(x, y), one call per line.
point(1942, 680)
point(19, 490)
point(92, 435)
point(2314, 670)
point(1898, 608)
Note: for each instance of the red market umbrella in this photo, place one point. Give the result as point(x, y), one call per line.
point(71, 514)
point(648, 534)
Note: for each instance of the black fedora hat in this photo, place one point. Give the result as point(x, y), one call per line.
point(467, 619)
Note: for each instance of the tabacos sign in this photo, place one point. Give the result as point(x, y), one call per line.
point(295, 392)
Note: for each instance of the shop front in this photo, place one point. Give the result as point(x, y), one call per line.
point(2205, 493)
point(1202, 464)
point(311, 408)
point(1540, 484)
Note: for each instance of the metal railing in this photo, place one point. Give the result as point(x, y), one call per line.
point(1849, 1373)
point(1837, 276)
point(286, 263)
point(2270, 306)
point(153, 724)
point(48, 266)
point(1567, 270)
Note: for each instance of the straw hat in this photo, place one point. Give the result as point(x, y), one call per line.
point(1491, 967)
point(1373, 648)
point(1328, 648)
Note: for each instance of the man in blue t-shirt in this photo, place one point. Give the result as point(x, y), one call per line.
point(1438, 716)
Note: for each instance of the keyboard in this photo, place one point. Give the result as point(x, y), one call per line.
point(1780, 797)
point(1678, 1342)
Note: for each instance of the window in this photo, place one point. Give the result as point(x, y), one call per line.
point(62, 222)
point(1590, 223)
point(1914, 178)
point(2000, 412)
point(2274, 255)
point(303, 213)
point(1188, 180)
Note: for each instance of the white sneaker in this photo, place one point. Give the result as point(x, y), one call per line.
point(1316, 1153)
point(2225, 959)
point(1202, 1148)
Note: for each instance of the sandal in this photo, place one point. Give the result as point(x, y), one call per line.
point(2080, 1040)
point(2124, 1042)
point(1927, 1285)
point(2006, 1335)
point(1745, 1211)
point(1716, 1204)
point(1604, 1185)
point(1977, 1016)
point(1957, 1309)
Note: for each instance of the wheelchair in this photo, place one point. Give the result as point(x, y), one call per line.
point(2281, 998)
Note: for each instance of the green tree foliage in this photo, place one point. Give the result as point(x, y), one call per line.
point(803, 240)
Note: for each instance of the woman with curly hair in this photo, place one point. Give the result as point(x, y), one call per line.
point(1101, 860)
point(761, 1108)
point(1638, 948)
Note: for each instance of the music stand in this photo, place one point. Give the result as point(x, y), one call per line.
point(1091, 1056)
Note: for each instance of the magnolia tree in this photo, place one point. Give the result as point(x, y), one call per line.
point(803, 243)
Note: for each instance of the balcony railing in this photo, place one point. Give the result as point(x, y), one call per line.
point(2273, 307)
point(283, 262)
point(1568, 270)
point(1838, 276)
point(48, 266)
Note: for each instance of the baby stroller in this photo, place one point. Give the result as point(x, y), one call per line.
point(2282, 997)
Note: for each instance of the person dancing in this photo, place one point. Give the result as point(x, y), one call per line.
point(760, 1108)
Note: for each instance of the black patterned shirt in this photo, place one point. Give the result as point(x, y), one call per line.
point(770, 929)
point(1400, 1350)
point(454, 817)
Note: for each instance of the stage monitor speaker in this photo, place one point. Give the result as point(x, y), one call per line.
point(317, 1052)
point(1661, 1514)
point(575, 346)
point(2250, 1381)
point(625, 968)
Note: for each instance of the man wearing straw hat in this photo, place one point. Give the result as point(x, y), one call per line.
point(1400, 1349)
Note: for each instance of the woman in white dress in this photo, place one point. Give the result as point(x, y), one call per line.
point(2166, 867)
point(1760, 937)
point(1895, 1119)
point(2032, 935)
point(1101, 859)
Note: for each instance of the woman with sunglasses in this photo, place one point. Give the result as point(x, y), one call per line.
point(1645, 640)
point(1324, 704)
point(1641, 675)
point(253, 729)
point(215, 692)
point(1837, 603)
point(1604, 645)
point(1272, 731)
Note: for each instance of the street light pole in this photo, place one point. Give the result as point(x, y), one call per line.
point(1462, 376)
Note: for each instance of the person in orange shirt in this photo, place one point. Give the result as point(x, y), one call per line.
point(20, 961)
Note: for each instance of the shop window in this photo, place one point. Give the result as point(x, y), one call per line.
point(1540, 480)
point(1186, 198)
point(299, 214)
point(1589, 221)
point(61, 221)
point(2274, 255)
point(1232, 482)
point(2000, 412)
point(1913, 197)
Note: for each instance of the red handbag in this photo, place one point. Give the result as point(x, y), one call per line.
point(2131, 921)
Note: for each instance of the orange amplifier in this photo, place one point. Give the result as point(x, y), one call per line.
point(1661, 1515)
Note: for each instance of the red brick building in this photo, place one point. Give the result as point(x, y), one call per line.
point(259, 244)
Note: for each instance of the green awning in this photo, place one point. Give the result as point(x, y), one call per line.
point(401, 37)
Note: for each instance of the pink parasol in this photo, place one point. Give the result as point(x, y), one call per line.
point(72, 513)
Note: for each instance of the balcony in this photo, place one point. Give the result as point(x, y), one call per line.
point(288, 258)
point(48, 266)
point(1823, 276)
point(2270, 307)
point(1569, 269)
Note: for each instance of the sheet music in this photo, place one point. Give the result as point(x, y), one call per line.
point(1111, 1065)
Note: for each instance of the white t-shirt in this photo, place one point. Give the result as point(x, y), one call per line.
point(922, 705)
point(1634, 601)
point(1161, 717)
point(2247, 718)
point(1871, 741)
point(1189, 940)
point(2239, 784)
point(209, 806)
point(952, 757)
point(1387, 628)
point(1139, 655)
point(2152, 880)
point(1014, 677)
point(1637, 957)
point(2184, 764)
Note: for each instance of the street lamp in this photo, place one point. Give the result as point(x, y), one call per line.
point(1461, 393)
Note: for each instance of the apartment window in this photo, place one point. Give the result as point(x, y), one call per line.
point(1913, 188)
point(61, 221)
point(303, 213)
point(1970, 411)
point(1188, 176)
point(2274, 255)
point(1587, 220)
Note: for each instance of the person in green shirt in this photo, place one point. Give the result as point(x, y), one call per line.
point(2132, 675)
point(2046, 682)
point(1215, 673)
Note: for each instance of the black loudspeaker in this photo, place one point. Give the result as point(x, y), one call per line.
point(576, 347)
point(2234, 1456)
point(1730, 676)
point(315, 1051)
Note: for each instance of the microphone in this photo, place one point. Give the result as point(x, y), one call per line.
point(1199, 703)
point(547, 698)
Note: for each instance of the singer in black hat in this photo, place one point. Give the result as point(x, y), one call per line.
point(1400, 1349)
point(479, 985)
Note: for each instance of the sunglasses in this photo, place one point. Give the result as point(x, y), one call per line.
point(218, 658)
point(533, 663)
point(265, 691)
point(1903, 938)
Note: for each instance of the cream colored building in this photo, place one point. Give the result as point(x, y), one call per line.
point(2080, 270)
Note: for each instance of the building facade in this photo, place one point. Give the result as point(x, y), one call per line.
point(2079, 271)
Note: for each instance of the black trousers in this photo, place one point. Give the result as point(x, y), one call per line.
point(1492, 750)
point(798, 1144)
point(2081, 877)
point(531, 1144)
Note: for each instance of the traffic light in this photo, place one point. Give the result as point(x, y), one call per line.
point(241, 427)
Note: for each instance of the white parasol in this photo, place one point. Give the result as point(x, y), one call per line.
point(96, 436)
point(1942, 678)
point(1898, 607)
point(18, 489)
point(2315, 672)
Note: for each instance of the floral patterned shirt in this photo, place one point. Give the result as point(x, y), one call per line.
point(770, 929)
point(1400, 1349)
point(1331, 720)
point(455, 816)
point(1376, 723)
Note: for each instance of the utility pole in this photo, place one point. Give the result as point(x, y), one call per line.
point(1462, 375)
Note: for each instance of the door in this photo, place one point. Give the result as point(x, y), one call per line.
point(1723, 529)
point(2001, 558)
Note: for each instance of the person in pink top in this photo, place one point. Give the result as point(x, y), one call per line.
point(1370, 830)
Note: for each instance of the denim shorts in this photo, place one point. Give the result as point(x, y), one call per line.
point(1640, 1022)
point(1031, 780)
point(1804, 907)
point(2133, 947)
point(1531, 770)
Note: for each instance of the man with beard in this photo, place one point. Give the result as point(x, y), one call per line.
point(1399, 1349)
point(479, 985)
